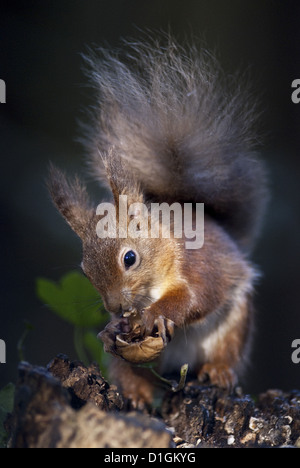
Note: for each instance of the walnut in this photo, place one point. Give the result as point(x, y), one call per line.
point(134, 348)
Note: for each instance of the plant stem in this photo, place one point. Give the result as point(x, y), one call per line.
point(79, 345)
point(175, 387)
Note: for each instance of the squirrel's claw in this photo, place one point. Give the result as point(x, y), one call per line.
point(108, 335)
point(165, 328)
point(162, 325)
point(218, 374)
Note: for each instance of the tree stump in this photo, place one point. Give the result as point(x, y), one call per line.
point(70, 405)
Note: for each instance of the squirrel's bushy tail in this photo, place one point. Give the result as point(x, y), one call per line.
point(184, 131)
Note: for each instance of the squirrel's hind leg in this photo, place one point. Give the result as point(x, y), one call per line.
point(227, 347)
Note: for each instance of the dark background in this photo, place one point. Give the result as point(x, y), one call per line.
point(40, 47)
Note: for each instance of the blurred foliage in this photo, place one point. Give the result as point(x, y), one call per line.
point(76, 301)
point(6, 407)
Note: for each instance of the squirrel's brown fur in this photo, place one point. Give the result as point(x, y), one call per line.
point(170, 128)
point(185, 131)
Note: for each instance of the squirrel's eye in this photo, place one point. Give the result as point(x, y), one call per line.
point(129, 258)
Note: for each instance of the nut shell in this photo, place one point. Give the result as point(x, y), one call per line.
point(138, 352)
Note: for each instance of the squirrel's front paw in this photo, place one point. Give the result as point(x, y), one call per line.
point(112, 329)
point(156, 324)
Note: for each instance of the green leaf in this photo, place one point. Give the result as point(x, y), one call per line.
point(7, 398)
point(6, 406)
point(73, 299)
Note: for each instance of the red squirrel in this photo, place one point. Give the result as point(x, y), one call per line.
point(169, 126)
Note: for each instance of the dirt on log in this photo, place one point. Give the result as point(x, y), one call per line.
point(69, 405)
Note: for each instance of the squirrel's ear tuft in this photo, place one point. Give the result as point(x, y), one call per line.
point(121, 181)
point(71, 199)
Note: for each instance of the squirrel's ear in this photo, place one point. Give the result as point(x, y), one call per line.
point(120, 180)
point(71, 199)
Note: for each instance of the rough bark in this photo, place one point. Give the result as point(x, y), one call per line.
point(70, 405)
point(209, 417)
